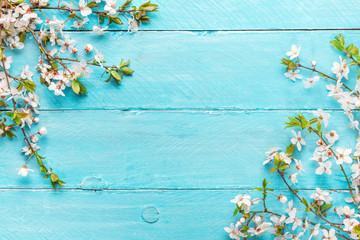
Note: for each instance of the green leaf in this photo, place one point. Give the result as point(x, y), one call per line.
point(337, 45)
point(286, 61)
point(318, 126)
point(9, 135)
point(302, 120)
point(264, 183)
point(122, 64)
point(54, 178)
point(341, 39)
point(83, 88)
point(274, 169)
point(258, 189)
point(92, 4)
point(42, 80)
point(304, 201)
point(277, 159)
point(291, 66)
point(116, 20)
point(125, 4)
point(75, 85)
point(290, 149)
point(236, 211)
point(356, 229)
point(306, 204)
point(115, 75)
point(326, 206)
point(313, 120)
point(293, 123)
point(54, 65)
point(282, 167)
point(127, 70)
point(22, 36)
point(19, 87)
point(39, 160)
point(148, 6)
point(29, 85)
point(352, 49)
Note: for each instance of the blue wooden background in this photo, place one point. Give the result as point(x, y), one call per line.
point(160, 156)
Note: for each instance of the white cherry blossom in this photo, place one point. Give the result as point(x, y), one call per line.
point(297, 140)
point(294, 52)
point(293, 75)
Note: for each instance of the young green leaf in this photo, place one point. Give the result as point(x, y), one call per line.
point(75, 85)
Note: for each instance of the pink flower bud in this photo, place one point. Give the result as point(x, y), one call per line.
point(42, 131)
point(313, 63)
point(34, 139)
point(7, 128)
point(35, 120)
point(74, 51)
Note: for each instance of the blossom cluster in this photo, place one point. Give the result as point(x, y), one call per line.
point(62, 63)
point(328, 221)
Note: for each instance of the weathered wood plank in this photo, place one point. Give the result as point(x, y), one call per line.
point(121, 214)
point(164, 149)
point(223, 70)
point(239, 15)
point(115, 214)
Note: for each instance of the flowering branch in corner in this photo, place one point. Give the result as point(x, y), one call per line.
point(61, 64)
point(259, 215)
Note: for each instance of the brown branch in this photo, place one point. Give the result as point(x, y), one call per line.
point(311, 209)
point(326, 76)
point(342, 168)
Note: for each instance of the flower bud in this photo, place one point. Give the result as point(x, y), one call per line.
point(74, 50)
point(34, 139)
point(42, 131)
point(35, 120)
point(313, 63)
point(7, 128)
point(89, 48)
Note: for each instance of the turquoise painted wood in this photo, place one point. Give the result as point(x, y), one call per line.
point(200, 70)
point(137, 214)
point(201, 15)
point(164, 149)
point(161, 156)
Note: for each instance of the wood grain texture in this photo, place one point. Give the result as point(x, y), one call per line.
point(109, 215)
point(164, 149)
point(114, 214)
point(240, 15)
point(204, 106)
point(223, 70)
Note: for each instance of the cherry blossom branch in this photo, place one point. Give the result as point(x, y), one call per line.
point(326, 76)
point(17, 19)
point(310, 208)
point(341, 166)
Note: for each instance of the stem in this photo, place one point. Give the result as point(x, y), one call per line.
point(326, 76)
point(78, 10)
point(311, 209)
point(312, 223)
point(342, 168)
